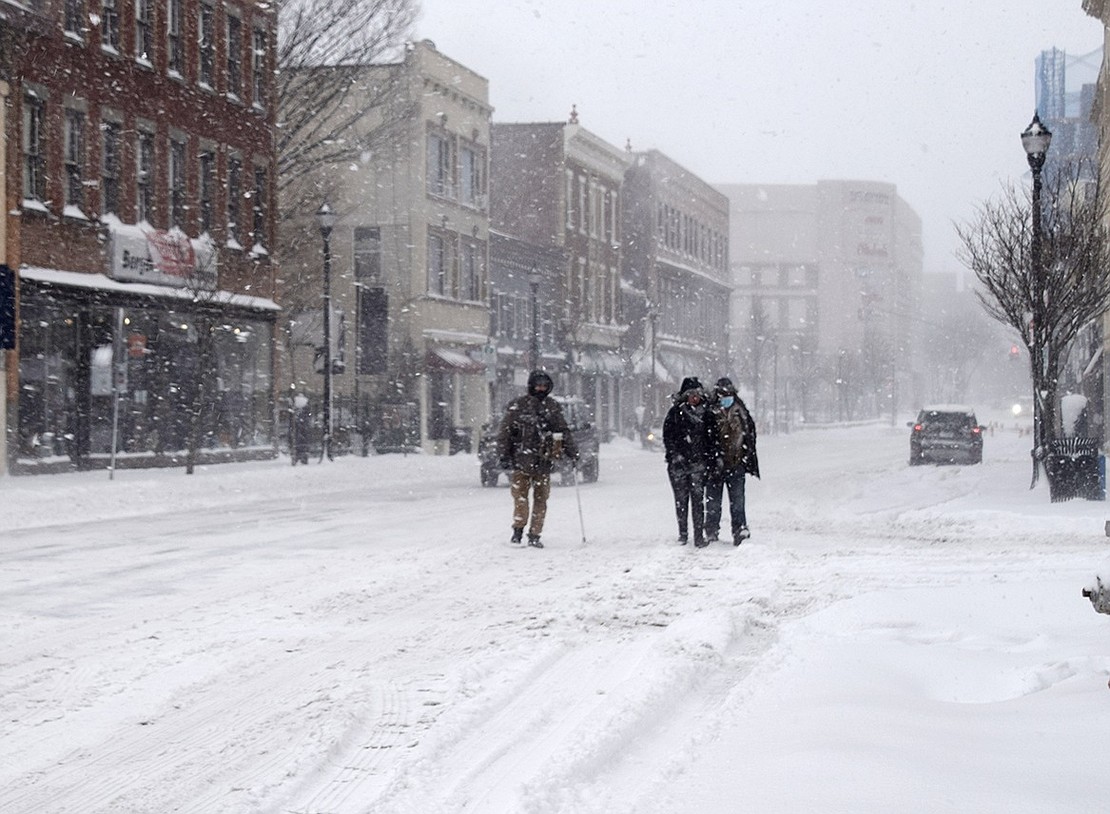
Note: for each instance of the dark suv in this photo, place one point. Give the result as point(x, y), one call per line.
point(946, 434)
point(577, 415)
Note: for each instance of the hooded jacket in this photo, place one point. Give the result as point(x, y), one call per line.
point(689, 439)
point(735, 429)
point(525, 440)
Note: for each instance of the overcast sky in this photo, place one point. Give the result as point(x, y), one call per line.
point(929, 95)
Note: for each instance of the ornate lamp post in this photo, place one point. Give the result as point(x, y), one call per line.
point(1035, 140)
point(534, 279)
point(326, 219)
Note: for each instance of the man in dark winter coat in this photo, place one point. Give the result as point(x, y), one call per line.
point(689, 444)
point(736, 458)
point(533, 434)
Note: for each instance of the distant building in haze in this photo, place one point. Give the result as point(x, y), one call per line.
point(826, 310)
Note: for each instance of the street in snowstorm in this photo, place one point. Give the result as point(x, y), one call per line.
point(359, 636)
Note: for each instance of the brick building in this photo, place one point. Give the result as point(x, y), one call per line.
point(140, 217)
point(557, 185)
point(676, 277)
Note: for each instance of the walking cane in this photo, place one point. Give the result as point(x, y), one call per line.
point(578, 497)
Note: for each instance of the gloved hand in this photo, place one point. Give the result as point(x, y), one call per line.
point(718, 466)
point(505, 464)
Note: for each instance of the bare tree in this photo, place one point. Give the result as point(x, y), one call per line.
point(1070, 289)
point(324, 49)
point(958, 340)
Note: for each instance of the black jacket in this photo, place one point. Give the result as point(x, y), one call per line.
point(689, 438)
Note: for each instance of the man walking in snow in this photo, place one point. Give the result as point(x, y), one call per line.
point(689, 445)
point(533, 434)
point(735, 459)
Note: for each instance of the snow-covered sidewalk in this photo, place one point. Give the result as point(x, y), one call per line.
point(358, 636)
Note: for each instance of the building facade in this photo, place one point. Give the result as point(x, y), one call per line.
point(1066, 93)
point(826, 314)
point(409, 265)
point(525, 287)
point(676, 284)
point(140, 222)
point(557, 185)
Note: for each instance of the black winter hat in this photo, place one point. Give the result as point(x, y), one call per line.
point(690, 383)
point(537, 376)
point(725, 386)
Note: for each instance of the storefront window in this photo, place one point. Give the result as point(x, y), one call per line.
point(48, 380)
point(72, 357)
point(243, 413)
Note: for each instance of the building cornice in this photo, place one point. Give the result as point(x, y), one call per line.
point(593, 152)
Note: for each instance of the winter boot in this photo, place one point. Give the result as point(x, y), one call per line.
point(700, 541)
point(740, 535)
point(534, 541)
point(518, 535)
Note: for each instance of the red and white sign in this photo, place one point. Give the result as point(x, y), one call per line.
point(163, 258)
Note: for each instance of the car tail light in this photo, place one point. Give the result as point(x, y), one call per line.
point(917, 428)
point(975, 431)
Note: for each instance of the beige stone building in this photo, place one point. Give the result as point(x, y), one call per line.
point(826, 310)
point(409, 257)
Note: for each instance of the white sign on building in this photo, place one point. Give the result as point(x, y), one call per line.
point(143, 254)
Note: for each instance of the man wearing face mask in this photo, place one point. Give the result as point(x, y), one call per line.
point(736, 458)
point(533, 434)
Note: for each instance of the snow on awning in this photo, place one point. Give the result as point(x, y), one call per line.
point(451, 361)
point(677, 366)
point(644, 365)
point(101, 282)
point(601, 362)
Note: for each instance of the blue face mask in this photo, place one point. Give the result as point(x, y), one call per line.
point(726, 401)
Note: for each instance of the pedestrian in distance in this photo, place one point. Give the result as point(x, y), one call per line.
point(532, 436)
point(689, 445)
point(300, 428)
point(736, 458)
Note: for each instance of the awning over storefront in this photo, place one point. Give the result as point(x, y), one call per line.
point(602, 363)
point(451, 361)
point(101, 282)
point(679, 367)
point(644, 366)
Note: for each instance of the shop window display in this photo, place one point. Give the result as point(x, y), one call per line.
point(71, 354)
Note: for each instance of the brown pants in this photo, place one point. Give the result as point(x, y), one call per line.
point(540, 485)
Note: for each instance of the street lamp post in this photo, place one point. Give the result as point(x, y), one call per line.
point(1036, 139)
point(326, 219)
point(653, 316)
point(534, 278)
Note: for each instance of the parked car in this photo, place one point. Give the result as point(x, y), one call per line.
point(576, 412)
point(946, 434)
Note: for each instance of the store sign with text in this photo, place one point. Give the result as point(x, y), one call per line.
point(163, 258)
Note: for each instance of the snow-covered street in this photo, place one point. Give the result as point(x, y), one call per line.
point(359, 636)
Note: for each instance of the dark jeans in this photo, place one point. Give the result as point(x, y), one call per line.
point(689, 499)
point(715, 486)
